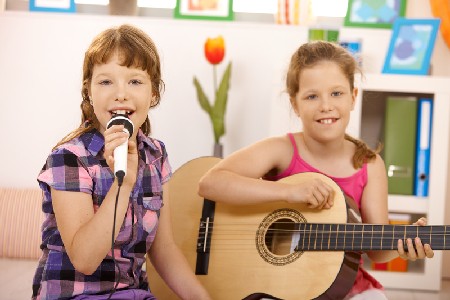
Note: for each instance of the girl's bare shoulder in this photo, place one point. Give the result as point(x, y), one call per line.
point(275, 143)
point(376, 165)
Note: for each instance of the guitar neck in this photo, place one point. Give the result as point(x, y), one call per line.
point(363, 237)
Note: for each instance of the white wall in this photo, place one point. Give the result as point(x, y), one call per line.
point(40, 75)
point(40, 79)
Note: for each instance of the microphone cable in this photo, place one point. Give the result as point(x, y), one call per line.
point(120, 118)
point(119, 176)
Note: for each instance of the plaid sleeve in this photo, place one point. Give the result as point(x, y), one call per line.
point(65, 171)
point(166, 169)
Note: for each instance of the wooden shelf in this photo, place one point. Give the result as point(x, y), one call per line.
point(407, 280)
point(408, 204)
point(424, 274)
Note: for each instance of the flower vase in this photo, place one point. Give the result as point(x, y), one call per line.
point(218, 150)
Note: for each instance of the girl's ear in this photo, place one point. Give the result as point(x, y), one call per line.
point(294, 106)
point(354, 95)
point(152, 102)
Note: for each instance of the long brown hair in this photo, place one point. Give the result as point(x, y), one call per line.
point(310, 54)
point(137, 50)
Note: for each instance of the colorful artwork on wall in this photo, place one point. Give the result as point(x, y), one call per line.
point(374, 13)
point(204, 9)
point(411, 46)
point(52, 5)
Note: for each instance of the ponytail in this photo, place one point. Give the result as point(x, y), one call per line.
point(363, 153)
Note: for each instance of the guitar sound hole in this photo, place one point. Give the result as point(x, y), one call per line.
point(282, 236)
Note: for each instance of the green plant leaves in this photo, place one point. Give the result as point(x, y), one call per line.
point(217, 111)
point(202, 98)
point(220, 105)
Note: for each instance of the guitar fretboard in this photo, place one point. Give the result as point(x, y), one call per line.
point(361, 237)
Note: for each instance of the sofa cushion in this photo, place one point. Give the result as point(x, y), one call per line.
point(16, 278)
point(20, 222)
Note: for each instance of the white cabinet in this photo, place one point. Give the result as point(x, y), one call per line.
point(421, 275)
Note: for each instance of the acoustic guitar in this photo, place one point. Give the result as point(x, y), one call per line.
point(286, 250)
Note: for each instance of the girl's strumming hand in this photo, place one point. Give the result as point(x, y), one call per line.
point(315, 193)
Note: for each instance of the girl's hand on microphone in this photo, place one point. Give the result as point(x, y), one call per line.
point(114, 137)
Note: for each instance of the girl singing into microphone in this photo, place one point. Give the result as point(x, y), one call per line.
point(96, 234)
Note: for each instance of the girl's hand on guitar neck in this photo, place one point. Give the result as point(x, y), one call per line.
point(315, 193)
point(418, 251)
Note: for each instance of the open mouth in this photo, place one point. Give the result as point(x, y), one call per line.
point(121, 117)
point(121, 112)
point(327, 121)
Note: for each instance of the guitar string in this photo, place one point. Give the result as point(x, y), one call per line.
point(338, 246)
point(332, 224)
point(435, 243)
point(347, 235)
point(382, 232)
point(326, 235)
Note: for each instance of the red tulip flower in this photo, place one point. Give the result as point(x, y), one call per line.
point(215, 50)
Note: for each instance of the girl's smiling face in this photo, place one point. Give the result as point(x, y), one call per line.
point(115, 87)
point(324, 101)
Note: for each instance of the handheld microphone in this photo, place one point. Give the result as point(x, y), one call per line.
point(121, 151)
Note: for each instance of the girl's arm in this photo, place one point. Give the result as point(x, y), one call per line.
point(237, 179)
point(374, 210)
point(169, 261)
point(87, 235)
point(374, 204)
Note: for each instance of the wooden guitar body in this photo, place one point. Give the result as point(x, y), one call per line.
point(244, 258)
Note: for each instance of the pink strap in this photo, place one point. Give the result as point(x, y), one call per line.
point(291, 137)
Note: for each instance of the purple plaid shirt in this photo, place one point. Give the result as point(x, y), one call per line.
point(79, 166)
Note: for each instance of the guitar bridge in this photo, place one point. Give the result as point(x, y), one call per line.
point(204, 237)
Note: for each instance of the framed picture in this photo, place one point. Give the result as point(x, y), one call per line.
point(52, 5)
point(411, 46)
point(204, 9)
point(374, 13)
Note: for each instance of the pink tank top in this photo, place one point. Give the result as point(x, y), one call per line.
point(353, 187)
